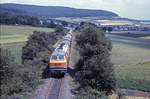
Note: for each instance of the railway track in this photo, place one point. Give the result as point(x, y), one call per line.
point(55, 87)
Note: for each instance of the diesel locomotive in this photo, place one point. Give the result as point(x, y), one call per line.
point(59, 60)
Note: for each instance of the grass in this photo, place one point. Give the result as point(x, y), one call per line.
point(127, 54)
point(132, 66)
point(14, 38)
point(12, 34)
point(134, 76)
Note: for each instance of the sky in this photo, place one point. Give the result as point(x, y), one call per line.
point(135, 9)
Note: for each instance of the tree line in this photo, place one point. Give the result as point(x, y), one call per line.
point(11, 19)
point(24, 19)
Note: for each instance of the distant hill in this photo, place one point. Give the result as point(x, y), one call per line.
point(53, 11)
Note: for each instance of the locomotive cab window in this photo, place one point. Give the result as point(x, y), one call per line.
point(54, 57)
point(57, 57)
point(61, 57)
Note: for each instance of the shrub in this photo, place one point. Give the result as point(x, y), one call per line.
point(90, 93)
point(13, 82)
point(37, 42)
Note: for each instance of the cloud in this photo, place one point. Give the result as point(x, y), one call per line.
point(125, 8)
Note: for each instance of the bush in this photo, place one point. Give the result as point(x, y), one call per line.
point(94, 68)
point(16, 80)
point(37, 42)
point(90, 93)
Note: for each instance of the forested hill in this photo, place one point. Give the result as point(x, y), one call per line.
point(54, 11)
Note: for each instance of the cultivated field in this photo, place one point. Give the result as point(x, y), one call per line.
point(12, 34)
point(135, 77)
point(134, 34)
point(115, 22)
point(132, 66)
point(14, 38)
point(123, 54)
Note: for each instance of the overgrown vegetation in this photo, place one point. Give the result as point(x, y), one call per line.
point(18, 81)
point(94, 68)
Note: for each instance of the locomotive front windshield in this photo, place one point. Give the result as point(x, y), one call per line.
point(61, 57)
point(57, 57)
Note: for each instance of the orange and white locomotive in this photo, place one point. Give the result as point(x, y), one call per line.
point(58, 62)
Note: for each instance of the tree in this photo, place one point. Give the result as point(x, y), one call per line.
point(41, 41)
point(38, 41)
point(9, 18)
point(110, 29)
point(64, 23)
point(94, 68)
point(5, 60)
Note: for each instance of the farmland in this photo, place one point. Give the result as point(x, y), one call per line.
point(115, 22)
point(123, 54)
point(12, 34)
point(14, 38)
point(134, 76)
point(135, 34)
point(132, 65)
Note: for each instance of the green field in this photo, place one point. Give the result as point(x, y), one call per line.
point(132, 66)
point(134, 76)
point(12, 34)
point(14, 38)
point(123, 54)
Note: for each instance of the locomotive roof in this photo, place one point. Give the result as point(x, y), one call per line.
point(66, 42)
point(63, 47)
point(58, 52)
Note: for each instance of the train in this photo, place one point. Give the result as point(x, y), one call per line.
point(59, 59)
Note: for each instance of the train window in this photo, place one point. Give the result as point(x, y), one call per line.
point(57, 57)
point(61, 57)
point(54, 57)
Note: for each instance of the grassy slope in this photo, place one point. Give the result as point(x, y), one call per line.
point(12, 34)
point(132, 66)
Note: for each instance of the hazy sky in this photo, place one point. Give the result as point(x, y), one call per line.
point(139, 9)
